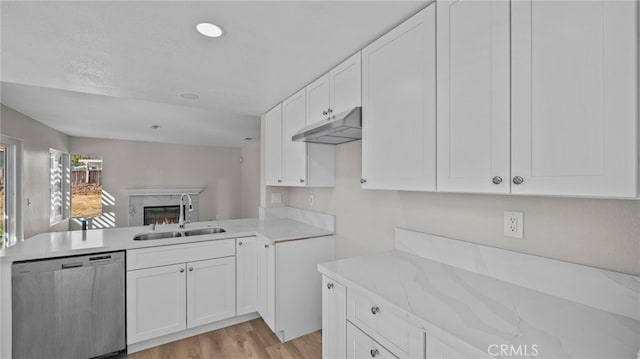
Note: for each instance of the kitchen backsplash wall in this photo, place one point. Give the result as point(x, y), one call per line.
point(596, 232)
point(38, 139)
point(250, 175)
point(133, 164)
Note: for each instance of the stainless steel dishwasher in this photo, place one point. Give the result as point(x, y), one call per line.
point(71, 307)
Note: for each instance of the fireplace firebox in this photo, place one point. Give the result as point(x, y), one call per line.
point(161, 214)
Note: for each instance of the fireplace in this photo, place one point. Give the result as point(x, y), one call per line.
point(161, 214)
point(147, 206)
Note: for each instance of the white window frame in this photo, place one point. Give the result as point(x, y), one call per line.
point(59, 185)
point(13, 190)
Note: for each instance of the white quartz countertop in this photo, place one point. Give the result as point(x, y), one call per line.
point(482, 310)
point(58, 244)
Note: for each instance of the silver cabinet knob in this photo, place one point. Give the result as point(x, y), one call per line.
point(181, 270)
point(497, 180)
point(363, 181)
point(374, 353)
point(330, 110)
point(329, 285)
point(301, 181)
point(375, 310)
point(266, 246)
point(325, 113)
point(239, 243)
point(191, 269)
point(279, 181)
point(518, 180)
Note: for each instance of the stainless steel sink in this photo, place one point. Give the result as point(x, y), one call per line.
point(197, 232)
point(163, 235)
point(157, 235)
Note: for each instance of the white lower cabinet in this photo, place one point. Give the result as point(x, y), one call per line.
point(360, 345)
point(156, 302)
point(211, 291)
point(170, 298)
point(248, 252)
point(334, 319)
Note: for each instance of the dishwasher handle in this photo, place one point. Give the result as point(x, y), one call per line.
point(71, 265)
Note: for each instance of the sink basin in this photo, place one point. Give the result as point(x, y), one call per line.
point(156, 235)
point(197, 232)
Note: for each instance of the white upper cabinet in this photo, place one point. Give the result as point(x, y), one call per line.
point(318, 99)
point(473, 96)
point(273, 146)
point(574, 97)
point(398, 107)
point(346, 85)
point(335, 92)
point(293, 153)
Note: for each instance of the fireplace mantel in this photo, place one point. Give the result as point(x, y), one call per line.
point(162, 191)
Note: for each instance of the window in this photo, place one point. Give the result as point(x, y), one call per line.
point(10, 191)
point(59, 186)
point(86, 186)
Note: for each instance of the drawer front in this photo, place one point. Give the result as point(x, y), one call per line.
point(180, 253)
point(360, 345)
point(384, 325)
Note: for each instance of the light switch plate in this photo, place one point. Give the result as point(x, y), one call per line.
point(514, 224)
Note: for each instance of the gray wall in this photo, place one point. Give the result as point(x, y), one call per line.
point(250, 176)
point(597, 232)
point(38, 139)
point(132, 164)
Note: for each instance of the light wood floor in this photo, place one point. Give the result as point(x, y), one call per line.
point(252, 339)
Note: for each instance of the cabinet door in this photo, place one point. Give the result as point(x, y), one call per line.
point(334, 319)
point(318, 101)
point(155, 302)
point(473, 96)
point(360, 346)
point(398, 104)
point(346, 85)
point(437, 349)
point(248, 251)
point(273, 146)
point(574, 85)
point(294, 153)
point(267, 284)
point(211, 291)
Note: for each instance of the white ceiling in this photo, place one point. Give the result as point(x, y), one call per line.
point(112, 69)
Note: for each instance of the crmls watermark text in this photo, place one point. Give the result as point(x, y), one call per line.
point(510, 350)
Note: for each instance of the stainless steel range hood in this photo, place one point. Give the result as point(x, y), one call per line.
point(343, 127)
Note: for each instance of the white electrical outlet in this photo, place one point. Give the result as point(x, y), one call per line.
point(276, 197)
point(311, 200)
point(514, 224)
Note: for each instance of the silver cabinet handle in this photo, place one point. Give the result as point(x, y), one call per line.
point(363, 181)
point(266, 246)
point(518, 180)
point(374, 353)
point(329, 285)
point(330, 110)
point(325, 113)
point(239, 243)
point(279, 181)
point(375, 310)
point(301, 181)
point(191, 269)
point(496, 180)
point(181, 270)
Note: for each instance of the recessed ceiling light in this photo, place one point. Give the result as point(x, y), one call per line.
point(154, 127)
point(189, 96)
point(209, 30)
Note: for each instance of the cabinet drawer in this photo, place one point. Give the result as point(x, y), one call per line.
point(360, 345)
point(180, 253)
point(384, 325)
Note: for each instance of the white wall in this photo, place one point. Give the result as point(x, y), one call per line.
point(596, 232)
point(38, 139)
point(133, 164)
point(250, 176)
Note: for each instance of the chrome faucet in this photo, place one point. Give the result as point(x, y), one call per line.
point(181, 220)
